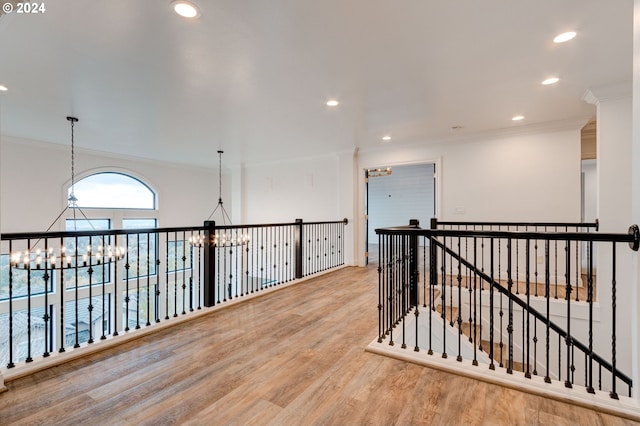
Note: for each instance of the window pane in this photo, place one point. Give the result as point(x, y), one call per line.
point(22, 326)
point(84, 319)
point(141, 249)
point(100, 272)
point(113, 191)
point(178, 256)
point(20, 280)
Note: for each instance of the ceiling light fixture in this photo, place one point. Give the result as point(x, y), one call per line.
point(386, 138)
point(550, 80)
point(518, 118)
point(227, 238)
point(3, 88)
point(378, 172)
point(561, 38)
point(186, 9)
point(332, 103)
point(69, 255)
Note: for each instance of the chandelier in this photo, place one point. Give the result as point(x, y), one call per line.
point(68, 257)
point(378, 172)
point(230, 237)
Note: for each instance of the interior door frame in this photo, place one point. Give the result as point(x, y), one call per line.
point(437, 199)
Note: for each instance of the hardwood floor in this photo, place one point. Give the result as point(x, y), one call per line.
point(293, 357)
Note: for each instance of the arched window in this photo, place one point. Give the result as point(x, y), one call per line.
point(112, 190)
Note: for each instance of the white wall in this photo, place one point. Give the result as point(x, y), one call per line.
point(526, 177)
point(614, 213)
point(532, 177)
point(307, 188)
point(34, 177)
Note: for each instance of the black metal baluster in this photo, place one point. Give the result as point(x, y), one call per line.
point(468, 286)
point(184, 273)
point(10, 363)
point(599, 376)
point(138, 273)
point(547, 291)
point(577, 269)
point(590, 301)
point(555, 264)
point(90, 307)
point(536, 269)
point(459, 319)
point(392, 290)
point(126, 282)
point(569, 341)
point(517, 266)
point(62, 337)
point(157, 292)
point(527, 373)
point(166, 272)
point(403, 289)
point(475, 305)
point(433, 282)
point(613, 394)
point(388, 282)
point(510, 326)
point(501, 311)
point(560, 357)
point(115, 285)
point(263, 257)
point(380, 289)
point(274, 257)
point(149, 279)
point(444, 298)
point(46, 277)
point(201, 270)
point(28, 267)
point(317, 248)
point(250, 259)
point(240, 257)
point(450, 291)
point(77, 316)
point(491, 309)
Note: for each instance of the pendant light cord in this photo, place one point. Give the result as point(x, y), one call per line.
point(220, 176)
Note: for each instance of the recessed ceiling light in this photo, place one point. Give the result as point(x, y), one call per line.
point(550, 80)
point(3, 88)
point(518, 118)
point(186, 9)
point(332, 102)
point(561, 38)
point(386, 138)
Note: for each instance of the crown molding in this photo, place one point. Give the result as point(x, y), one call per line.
point(610, 92)
point(574, 124)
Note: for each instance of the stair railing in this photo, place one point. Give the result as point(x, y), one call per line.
point(465, 289)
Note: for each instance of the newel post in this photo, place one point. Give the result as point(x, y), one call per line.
point(413, 264)
point(209, 263)
point(298, 248)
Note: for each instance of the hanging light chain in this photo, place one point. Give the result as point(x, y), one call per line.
point(72, 196)
point(220, 174)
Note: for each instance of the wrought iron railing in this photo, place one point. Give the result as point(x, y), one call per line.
point(478, 315)
point(557, 254)
point(62, 290)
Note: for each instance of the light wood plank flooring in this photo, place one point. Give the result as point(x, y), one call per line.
point(293, 357)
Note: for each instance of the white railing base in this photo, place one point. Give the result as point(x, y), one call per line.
point(624, 407)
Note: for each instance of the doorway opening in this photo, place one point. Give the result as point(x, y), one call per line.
point(393, 196)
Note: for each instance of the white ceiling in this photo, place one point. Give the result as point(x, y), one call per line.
point(252, 76)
